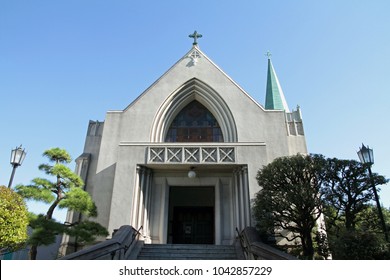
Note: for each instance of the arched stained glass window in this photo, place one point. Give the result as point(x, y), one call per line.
point(194, 123)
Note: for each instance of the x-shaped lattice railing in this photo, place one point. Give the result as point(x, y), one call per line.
point(226, 154)
point(157, 155)
point(208, 154)
point(174, 155)
point(191, 154)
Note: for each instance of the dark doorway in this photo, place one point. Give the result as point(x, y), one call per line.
point(191, 215)
point(193, 225)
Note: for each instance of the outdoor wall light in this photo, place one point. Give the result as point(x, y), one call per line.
point(191, 173)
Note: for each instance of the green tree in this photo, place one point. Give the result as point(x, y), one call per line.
point(65, 191)
point(295, 190)
point(358, 245)
point(289, 202)
point(368, 219)
point(363, 242)
point(13, 220)
point(348, 190)
point(353, 227)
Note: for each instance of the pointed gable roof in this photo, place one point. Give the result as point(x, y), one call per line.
point(194, 55)
point(274, 98)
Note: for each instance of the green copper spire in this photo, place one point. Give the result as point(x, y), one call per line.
point(274, 98)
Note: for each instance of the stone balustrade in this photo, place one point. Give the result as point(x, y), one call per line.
point(191, 154)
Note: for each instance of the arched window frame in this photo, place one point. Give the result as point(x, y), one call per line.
point(194, 89)
point(194, 123)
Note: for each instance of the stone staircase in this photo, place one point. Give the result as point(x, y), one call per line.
point(187, 252)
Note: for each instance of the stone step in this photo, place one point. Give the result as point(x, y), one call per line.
point(187, 251)
point(188, 247)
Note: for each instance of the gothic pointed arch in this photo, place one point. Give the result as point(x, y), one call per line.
point(194, 90)
point(194, 123)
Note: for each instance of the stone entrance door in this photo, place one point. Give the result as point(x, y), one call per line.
point(193, 225)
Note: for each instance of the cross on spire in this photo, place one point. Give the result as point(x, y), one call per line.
point(195, 35)
point(268, 54)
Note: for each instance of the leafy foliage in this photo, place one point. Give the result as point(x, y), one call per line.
point(353, 226)
point(365, 241)
point(348, 189)
point(368, 219)
point(359, 245)
point(65, 192)
point(86, 231)
point(13, 220)
point(44, 230)
point(290, 198)
point(296, 190)
point(80, 201)
point(40, 191)
point(322, 244)
point(57, 155)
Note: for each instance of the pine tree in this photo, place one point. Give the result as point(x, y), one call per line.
point(65, 191)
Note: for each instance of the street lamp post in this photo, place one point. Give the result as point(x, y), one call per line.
point(17, 156)
point(366, 155)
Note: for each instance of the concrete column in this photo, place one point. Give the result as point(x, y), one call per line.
point(164, 212)
point(147, 197)
point(242, 201)
point(82, 164)
point(141, 203)
point(236, 195)
point(218, 213)
point(246, 196)
point(134, 214)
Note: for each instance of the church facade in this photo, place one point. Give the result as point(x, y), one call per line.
point(180, 161)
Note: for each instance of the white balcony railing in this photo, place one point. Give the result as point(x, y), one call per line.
point(191, 154)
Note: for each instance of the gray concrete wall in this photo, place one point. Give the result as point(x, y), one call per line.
point(262, 137)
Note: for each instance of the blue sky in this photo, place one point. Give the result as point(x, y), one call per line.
point(63, 63)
